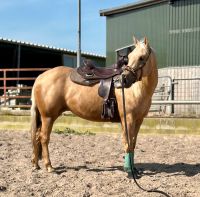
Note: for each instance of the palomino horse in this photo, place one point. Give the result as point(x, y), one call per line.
point(54, 92)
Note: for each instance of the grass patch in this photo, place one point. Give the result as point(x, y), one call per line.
point(69, 131)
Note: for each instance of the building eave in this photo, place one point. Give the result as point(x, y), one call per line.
point(128, 7)
point(47, 47)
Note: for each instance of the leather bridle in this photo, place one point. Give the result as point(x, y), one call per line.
point(140, 67)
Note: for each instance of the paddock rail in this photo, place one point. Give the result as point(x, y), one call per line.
point(18, 91)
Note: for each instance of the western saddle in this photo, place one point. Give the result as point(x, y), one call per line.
point(89, 74)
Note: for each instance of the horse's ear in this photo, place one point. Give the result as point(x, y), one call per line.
point(135, 41)
point(146, 42)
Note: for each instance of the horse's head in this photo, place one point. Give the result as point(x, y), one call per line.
point(137, 62)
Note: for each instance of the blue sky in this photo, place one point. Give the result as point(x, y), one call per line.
point(54, 22)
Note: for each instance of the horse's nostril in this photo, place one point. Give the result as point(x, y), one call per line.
point(134, 78)
point(125, 80)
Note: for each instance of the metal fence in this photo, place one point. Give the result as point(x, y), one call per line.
point(18, 94)
point(178, 97)
point(162, 93)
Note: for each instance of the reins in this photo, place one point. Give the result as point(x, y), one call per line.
point(154, 190)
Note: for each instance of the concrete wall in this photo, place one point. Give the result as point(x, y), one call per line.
point(150, 125)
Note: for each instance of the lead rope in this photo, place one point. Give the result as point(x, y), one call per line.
point(155, 190)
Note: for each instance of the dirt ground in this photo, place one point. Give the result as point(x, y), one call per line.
point(91, 165)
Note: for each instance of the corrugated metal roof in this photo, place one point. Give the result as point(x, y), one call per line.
point(12, 41)
point(130, 6)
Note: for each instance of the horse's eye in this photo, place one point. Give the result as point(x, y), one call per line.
point(141, 58)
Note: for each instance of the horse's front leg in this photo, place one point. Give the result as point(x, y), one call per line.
point(129, 139)
point(47, 124)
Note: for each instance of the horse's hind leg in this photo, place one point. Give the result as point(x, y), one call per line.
point(37, 149)
point(46, 128)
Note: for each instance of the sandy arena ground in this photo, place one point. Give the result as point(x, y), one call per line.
point(91, 165)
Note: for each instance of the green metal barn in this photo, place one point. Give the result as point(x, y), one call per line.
point(172, 27)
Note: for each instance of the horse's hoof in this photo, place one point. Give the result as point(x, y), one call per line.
point(127, 169)
point(35, 167)
point(50, 169)
point(137, 174)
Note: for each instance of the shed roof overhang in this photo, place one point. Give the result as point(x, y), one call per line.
point(131, 6)
point(45, 47)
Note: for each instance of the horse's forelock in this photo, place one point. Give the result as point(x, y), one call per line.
point(143, 45)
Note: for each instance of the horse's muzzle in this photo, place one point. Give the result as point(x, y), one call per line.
point(129, 78)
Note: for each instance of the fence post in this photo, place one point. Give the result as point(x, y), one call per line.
point(4, 86)
point(172, 96)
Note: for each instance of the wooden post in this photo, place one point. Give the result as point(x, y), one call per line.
point(18, 62)
point(4, 86)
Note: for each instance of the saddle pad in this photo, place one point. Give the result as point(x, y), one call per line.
point(77, 78)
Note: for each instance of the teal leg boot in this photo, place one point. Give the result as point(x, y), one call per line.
point(128, 162)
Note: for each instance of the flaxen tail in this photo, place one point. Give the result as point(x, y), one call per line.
point(35, 125)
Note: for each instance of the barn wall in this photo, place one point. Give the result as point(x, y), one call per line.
point(173, 31)
point(184, 33)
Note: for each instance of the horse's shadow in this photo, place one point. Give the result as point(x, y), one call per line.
point(62, 169)
point(176, 169)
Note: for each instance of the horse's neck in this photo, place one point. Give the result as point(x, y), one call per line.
point(149, 82)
